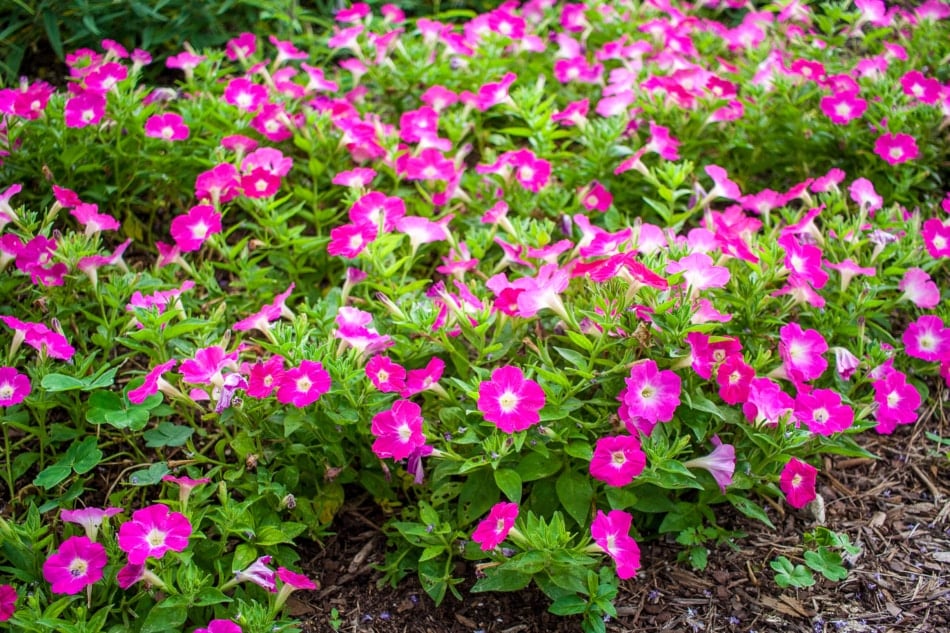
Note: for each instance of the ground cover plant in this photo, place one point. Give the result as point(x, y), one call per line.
point(547, 283)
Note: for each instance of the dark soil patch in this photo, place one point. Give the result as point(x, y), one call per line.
point(897, 509)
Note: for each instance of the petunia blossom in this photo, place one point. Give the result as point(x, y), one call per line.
point(8, 599)
point(77, 564)
point(494, 528)
point(191, 229)
point(897, 402)
point(304, 384)
point(14, 386)
point(720, 463)
point(896, 148)
point(617, 460)
point(611, 532)
point(651, 396)
point(822, 411)
point(89, 518)
point(919, 289)
point(398, 430)
point(797, 481)
point(509, 400)
point(927, 339)
point(153, 531)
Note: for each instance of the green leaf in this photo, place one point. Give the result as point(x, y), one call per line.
point(54, 474)
point(789, 575)
point(535, 466)
point(501, 580)
point(568, 605)
point(575, 493)
point(827, 563)
point(149, 476)
point(509, 482)
point(161, 619)
point(61, 382)
point(574, 358)
point(85, 455)
point(477, 496)
point(749, 508)
point(167, 434)
point(209, 596)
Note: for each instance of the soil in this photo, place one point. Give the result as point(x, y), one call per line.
point(896, 508)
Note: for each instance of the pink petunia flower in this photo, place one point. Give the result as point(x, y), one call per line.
point(801, 352)
point(398, 430)
point(219, 184)
point(220, 626)
point(169, 127)
point(843, 107)
point(936, 234)
point(153, 531)
point(494, 528)
point(919, 289)
point(76, 564)
point(264, 377)
point(611, 532)
point(650, 396)
point(897, 402)
point(767, 403)
point(14, 386)
point(734, 377)
point(699, 273)
point(260, 183)
point(927, 339)
point(822, 411)
point(387, 376)
point(896, 148)
point(291, 582)
point(721, 464)
point(349, 240)
point(303, 385)
point(925, 89)
point(862, 191)
point(185, 486)
point(39, 337)
point(241, 47)
point(89, 518)
point(797, 481)
point(207, 366)
point(617, 460)
point(94, 222)
point(7, 602)
point(84, 109)
point(377, 210)
point(192, 229)
point(509, 400)
point(259, 573)
point(425, 379)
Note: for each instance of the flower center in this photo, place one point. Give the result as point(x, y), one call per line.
point(618, 459)
point(304, 384)
point(821, 415)
point(200, 230)
point(893, 399)
point(796, 481)
point(6, 391)
point(508, 401)
point(155, 538)
point(648, 392)
point(78, 567)
point(895, 152)
point(382, 375)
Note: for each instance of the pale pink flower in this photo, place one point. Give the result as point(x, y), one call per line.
point(259, 573)
point(862, 191)
point(699, 273)
point(721, 464)
point(797, 481)
point(919, 289)
point(89, 518)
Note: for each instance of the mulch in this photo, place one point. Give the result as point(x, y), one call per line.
point(896, 508)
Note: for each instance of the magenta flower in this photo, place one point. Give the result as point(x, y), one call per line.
point(295, 580)
point(260, 183)
point(822, 411)
point(617, 460)
point(611, 532)
point(699, 273)
point(192, 229)
point(509, 400)
point(86, 108)
point(39, 337)
point(734, 377)
point(220, 626)
point(264, 377)
point(303, 385)
point(425, 379)
point(244, 94)
point(651, 396)
point(897, 402)
point(387, 376)
point(377, 210)
point(258, 573)
point(936, 234)
point(494, 528)
point(862, 191)
point(797, 481)
point(398, 431)
point(206, 367)
point(706, 353)
point(801, 352)
point(153, 531)
point(94, 222)
point(241, 47)
point(219, 184)
point(349, 240)
point(7, 602)
point(919, 289)
point(843, 107)
point(14, 386)
point(353, 331)
point(721, 464)
point(925, 89)
point(169, 127)
point(927, 339)
point(77, 564)
point(89, 518)
point(596, 197)
point(896, 148)
point(153, 383)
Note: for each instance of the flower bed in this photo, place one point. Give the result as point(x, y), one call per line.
point(544, 282)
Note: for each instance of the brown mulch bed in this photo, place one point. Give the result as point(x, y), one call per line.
point(897, 509)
